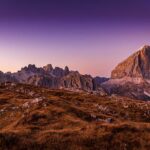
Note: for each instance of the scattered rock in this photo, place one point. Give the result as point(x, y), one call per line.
point(109, 120)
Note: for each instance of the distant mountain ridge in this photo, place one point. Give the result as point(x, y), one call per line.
point(130, 78)
point(56, 78)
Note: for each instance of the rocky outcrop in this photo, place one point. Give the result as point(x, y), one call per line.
point(137, 65)
point(77, 81)
point(66, 71)
point(128, 88)
point(58, 72)
point(7, 77)
point(131, 77)
point(97, 81)
point(47, 81)
point(48, 68)
point(72, 80)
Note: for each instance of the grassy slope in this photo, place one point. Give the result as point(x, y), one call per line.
point(71, 121)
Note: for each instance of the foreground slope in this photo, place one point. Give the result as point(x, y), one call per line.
point(39, 118)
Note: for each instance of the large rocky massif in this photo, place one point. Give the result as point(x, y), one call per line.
point(135, 66)
point(132, 76)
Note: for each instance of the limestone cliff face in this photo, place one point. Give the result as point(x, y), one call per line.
point(72, 80)
point(75, 80)
point(137, 65)
point(131, 77)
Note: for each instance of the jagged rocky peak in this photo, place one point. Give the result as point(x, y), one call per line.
point(48, 68)
point(66, 70)
point(1, 73)
point(30, 67)
point(50, 77)
point(136, 66)
point(58, 72)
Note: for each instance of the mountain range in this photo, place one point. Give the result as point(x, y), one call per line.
point(55, 78)
point(130, 78)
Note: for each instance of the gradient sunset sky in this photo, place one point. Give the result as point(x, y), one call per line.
point(91, 36)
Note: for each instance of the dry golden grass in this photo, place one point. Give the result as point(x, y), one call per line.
point(71, 121)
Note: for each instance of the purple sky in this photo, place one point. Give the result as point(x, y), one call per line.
point(91, 36)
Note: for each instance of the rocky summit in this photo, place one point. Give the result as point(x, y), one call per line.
point(137, 65)
point(131, 77)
